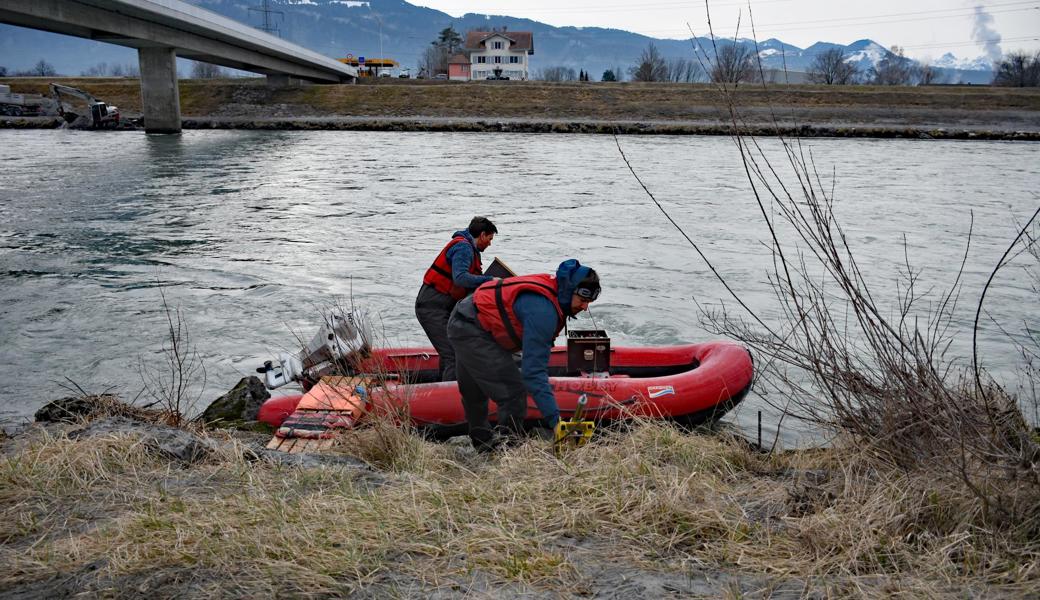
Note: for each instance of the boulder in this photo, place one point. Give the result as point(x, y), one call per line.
point(76, 408)
point(240, 404)
point(170, 442)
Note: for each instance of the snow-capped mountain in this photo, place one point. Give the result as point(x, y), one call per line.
point(949, 61)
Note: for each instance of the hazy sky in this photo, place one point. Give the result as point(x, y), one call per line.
point(925, 28)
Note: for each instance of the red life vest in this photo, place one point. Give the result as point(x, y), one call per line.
point(439, 274)
point(494, 302)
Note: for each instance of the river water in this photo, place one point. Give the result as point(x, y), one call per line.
point(250, 234)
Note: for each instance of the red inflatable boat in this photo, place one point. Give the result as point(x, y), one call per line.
point(690, 384)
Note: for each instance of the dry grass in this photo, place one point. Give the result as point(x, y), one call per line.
point(109, 516)
point(541, 100)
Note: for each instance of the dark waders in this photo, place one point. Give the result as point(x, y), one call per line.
point(433, 308)
point(485, 370)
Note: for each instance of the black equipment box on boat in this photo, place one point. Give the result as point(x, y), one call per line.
point(588, 351)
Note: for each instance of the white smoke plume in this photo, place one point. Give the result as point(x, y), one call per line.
point(984, 35)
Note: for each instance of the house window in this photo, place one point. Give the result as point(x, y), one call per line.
point(498, 59)
point(498, 45)
point(514, 59)
point(481, 59)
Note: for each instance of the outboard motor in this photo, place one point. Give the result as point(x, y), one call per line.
point(338, 338)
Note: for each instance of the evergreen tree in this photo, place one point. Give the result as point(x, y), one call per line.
point(449, 39)
point(608, 75)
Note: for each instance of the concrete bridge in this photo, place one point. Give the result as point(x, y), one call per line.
point(162, 30)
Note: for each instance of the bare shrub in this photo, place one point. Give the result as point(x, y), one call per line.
point(872, 368)
point(734, 64)
point(176, 385)
point(829, 67)
point(204, 70)
point(1018, 69)
point(558, 74)
point(651, 65)
point(880, 379)
point(926, 73)
point(684, 70)
point(894, 69)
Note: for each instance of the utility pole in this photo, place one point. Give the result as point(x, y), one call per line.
point(268, 25)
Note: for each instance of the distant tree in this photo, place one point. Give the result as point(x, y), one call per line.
point(829, 67)
point(106, 70)
point(683, 70)
point(894, 69)
point(608, 75)
point(925, 73)
point(98, 70)
point(42, 69)
point(204, 70)
point(651, 65)
point(449, 39)
point(558, 74)
point(1018, 69)
point(3, 71)
point(433, 60)
point(734, 64)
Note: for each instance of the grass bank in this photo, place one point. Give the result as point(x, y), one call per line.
point(641, 513)
point(586, 107)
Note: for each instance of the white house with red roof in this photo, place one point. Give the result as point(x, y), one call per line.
point(497, 54)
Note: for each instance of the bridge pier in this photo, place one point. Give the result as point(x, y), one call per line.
point(282, 81)
point(160, 97)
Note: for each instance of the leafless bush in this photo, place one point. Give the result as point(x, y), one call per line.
point(684, 70)
point(104, 69)
point(873, 367)
point(894, 69)
point(558, 74)
point(881, 378)
point(178, 382)
point(204, 70)
point(1018, 69)
point(651, 66)
point(829, 67)
point(734, 64)
point(925, 73)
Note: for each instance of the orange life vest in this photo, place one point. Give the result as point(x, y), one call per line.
point(494, 302)
point(439, 274)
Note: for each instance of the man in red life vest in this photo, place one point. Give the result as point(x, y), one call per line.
point(455, 273)
point(504, 316)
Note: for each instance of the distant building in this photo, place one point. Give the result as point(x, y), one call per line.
point(458, 67)
point(371, 67)
point(497, 54)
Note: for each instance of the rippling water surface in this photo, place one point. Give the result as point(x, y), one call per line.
point(250, 233)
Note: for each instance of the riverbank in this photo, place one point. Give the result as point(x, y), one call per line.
point(940, 112)
point(120, 504)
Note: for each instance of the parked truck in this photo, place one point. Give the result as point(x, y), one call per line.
point(20, 105)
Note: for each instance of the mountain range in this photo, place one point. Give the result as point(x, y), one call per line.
point(399, 30)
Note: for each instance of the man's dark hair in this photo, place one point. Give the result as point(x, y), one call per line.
point(481, 225)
